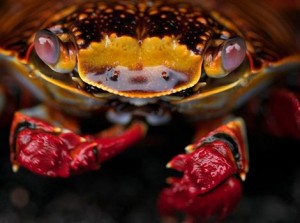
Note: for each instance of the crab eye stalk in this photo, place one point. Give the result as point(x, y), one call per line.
point(58, 55)
point(220, 61)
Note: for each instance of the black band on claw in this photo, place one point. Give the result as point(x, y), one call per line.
point(231, 143)
point(20, 127)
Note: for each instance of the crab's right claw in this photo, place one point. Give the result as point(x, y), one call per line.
point(209, 185)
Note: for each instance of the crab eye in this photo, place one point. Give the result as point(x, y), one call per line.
point(221, 61)
point(47, 46)
point(59, 56)
point(233, 53)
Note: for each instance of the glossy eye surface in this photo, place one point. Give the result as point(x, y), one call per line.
point(47, 46)
point(59, 55)
point(233, 53)
point(222, 60)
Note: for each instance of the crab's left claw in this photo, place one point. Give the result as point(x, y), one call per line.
point(209, 185)
point(53, 151)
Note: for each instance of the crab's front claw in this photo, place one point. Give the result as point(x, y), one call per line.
point(53, 151)
point(214, 205)
point(209, 185)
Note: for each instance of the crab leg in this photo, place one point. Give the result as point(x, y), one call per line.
point(282, 115)
point(49, 150)
point(12, 97)
point(210, 184)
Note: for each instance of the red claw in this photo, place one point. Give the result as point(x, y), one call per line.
point(42, 153)
point(205, 168)
point(221, 201)
point(208, 186)
point(52, 151)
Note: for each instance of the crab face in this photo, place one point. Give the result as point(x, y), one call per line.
point(139, 51)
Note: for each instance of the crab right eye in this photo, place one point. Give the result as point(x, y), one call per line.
point(46, 45)
point(222, 60)
point(233, 53)
point(58, 55)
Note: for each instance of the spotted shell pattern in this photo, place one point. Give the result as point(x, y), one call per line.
point(167, 34)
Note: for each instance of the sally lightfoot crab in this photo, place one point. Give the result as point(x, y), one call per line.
point(140, 64)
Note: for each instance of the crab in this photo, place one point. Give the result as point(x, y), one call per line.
point(140, 64)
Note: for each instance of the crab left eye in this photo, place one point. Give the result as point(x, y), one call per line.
point(58, 55)
point(220, 61)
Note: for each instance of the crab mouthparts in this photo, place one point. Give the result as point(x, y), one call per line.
point(156, 79)
point(131, 68)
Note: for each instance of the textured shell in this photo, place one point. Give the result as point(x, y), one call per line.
point(269, 35)
point(270, 40)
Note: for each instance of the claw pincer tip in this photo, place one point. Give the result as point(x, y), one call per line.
point(15, 168)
